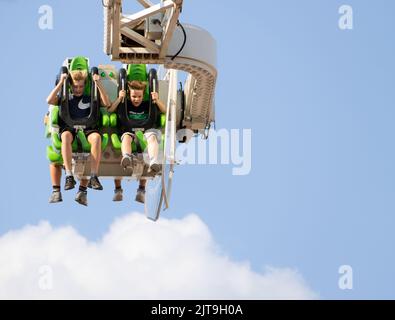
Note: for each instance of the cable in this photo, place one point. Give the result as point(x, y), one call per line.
point(185, 40)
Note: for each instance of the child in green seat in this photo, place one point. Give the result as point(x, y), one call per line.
point(139, 110)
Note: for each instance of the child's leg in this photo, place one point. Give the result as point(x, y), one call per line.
point(67, 139)
point(153, 148)
point(95, 140)
point(56, 174)
point(118, 183)
point(126, 146)
point(118, 192)
point(142, 183)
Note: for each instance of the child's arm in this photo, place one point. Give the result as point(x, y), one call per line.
point(121, 97)
point(53, 96)
point(159, 103)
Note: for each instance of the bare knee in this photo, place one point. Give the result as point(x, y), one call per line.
point(126, 141)
point(67, 137)
point(152, 140)
point(94, 139)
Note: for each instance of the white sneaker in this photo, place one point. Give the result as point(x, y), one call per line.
point(126, 161)
point(118, 195)
point(154, 167)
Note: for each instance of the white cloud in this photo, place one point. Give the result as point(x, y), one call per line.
point(136, 259)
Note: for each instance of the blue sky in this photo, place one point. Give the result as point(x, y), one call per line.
point(320, 103)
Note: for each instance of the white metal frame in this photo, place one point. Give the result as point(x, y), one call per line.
point(169, 150)
point(177, 50)
point(117, 24)
point(197, 60)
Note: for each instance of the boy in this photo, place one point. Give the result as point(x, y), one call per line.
point(79, 107)
point(139, 110)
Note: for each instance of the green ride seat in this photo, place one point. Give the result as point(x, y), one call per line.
point(138, 72)
point(105, 118)
point(81, 63)
point(116, 142)
point(53, 156)
point(57, 143)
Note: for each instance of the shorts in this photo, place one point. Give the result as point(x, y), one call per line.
point(87, 132)
point(147, 134)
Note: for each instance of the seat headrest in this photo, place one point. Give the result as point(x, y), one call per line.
point(138, 72)
point(81, 63)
